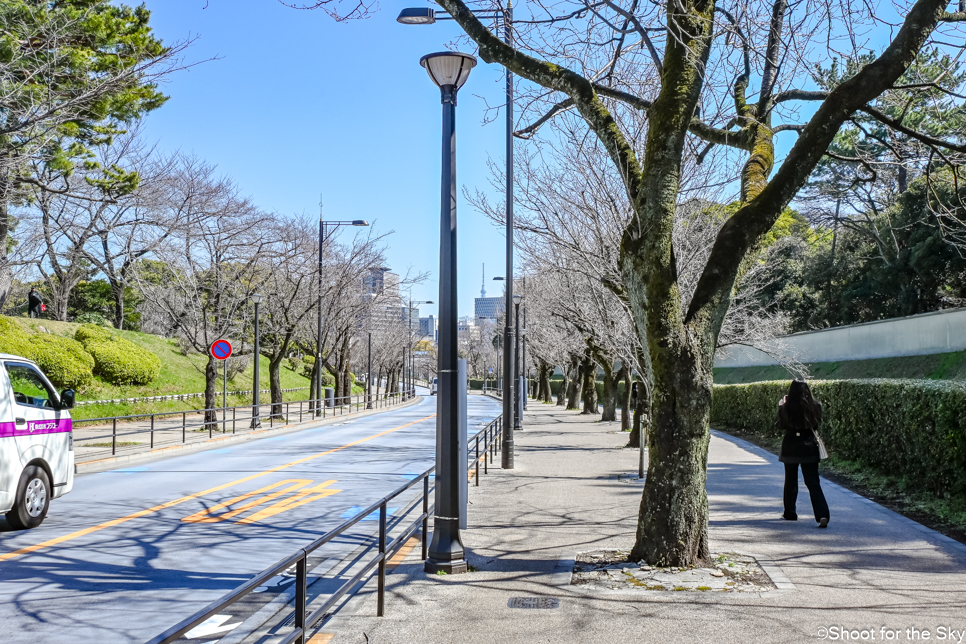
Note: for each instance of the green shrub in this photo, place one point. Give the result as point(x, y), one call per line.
point(116, 360)
point(910, 428)
point(295, 363)
point(328, 380)
point(63, 360)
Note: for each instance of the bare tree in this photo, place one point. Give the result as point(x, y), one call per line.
point(206, 273)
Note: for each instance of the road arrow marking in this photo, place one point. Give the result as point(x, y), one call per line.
point(211, 626)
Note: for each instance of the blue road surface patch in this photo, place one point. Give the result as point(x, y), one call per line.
point(355, 509)
point(410, 477)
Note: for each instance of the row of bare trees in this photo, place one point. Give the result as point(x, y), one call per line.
point(193, 250)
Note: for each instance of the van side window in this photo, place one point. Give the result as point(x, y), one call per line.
point(29, 388)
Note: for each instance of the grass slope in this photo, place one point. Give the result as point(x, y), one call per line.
point(936, 366)
point(180, 374)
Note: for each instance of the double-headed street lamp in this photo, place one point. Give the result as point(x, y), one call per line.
point(256, 407)
point(324, 228)
point(428, 16)
point(449, 70)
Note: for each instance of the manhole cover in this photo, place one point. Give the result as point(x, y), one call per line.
point(533, 602)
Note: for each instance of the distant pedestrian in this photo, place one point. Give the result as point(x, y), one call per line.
point(35, 303)
point(799, 415)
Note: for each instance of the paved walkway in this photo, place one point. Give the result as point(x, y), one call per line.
point(872, 569)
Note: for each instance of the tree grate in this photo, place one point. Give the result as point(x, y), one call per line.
point(533, 602)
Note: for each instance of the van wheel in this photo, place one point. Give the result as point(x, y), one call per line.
point(33, 499)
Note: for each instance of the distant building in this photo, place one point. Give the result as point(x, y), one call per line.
point(429, 328)
point(490, 308)
point(382, 288)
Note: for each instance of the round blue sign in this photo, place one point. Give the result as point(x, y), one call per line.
point(221, 349)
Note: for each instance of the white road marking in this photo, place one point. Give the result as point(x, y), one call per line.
point(211, 626)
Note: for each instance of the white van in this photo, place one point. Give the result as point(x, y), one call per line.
point(36, 442)
point(432, 387)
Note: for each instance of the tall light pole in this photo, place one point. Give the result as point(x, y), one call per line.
point(449, 70)
point(428, 16)
point(324, 227)
point(517, 426)
point(369, 374)
point(256, 407)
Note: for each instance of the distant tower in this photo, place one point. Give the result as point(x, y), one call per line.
point(483, 290)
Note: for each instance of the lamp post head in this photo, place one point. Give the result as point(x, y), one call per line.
point(360, 222)
point(417, 16)
point(517, 299)
point(448, 68)
point(497, 279)
point(257, 298)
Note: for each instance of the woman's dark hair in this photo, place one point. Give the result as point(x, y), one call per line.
point(800, 405)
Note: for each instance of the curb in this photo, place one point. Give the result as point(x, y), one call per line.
point(111, 462)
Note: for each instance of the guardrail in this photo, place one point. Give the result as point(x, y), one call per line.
point(308, 410)
point(491, 436)
point(239, 392)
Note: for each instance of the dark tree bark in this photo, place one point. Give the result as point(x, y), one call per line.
point(543, 390)
point(626, 400)
point(588, 389)
point(275, 382)
point(564, 386)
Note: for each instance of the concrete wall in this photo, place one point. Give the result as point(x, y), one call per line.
point(938, 332)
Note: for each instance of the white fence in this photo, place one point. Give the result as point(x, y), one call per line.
point(937, 332)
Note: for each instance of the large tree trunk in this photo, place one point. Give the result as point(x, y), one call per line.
point(611, 381)
point(573, 393)
point(626, 399)
point(211, 391)
point(564, 387)
point(588, 389)
point(543, 390)
point(275, 382)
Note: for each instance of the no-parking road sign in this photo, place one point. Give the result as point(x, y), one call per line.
point(221, 349)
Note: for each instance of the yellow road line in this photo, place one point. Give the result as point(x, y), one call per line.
point(164, 506)
point(403, 552)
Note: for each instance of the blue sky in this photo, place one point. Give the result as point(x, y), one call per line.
point(299, 105)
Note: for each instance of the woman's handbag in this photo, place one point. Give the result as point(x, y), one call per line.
point(822, 452)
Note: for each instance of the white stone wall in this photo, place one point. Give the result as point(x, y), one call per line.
point(938, 332)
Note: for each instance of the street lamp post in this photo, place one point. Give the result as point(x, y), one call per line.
point(449, 70)
point(517, 425)
point(324, 227)
point(369, 374)
point(256, 407)
point(428, 16)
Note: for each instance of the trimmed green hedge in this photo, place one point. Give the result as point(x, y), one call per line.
point(116, 360)
point(910, 428)
point(63, 360)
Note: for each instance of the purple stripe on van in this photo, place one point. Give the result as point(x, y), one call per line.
point(35, 427)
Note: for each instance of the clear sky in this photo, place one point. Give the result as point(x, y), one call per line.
point(299, 105)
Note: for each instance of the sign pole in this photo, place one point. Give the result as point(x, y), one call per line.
point(224, 401)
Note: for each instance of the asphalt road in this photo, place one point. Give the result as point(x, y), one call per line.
point(132, 551)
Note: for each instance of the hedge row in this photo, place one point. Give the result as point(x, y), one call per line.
point(63, 360)
point(116, 360)
point(910, 428)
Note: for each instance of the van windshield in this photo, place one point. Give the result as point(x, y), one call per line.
point(29, 388)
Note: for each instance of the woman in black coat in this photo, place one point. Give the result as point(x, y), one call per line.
point(799, 415)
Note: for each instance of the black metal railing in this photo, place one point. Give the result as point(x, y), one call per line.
point(307, 410)
point(487, 441)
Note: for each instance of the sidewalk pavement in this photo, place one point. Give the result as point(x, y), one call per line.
point(871, 570)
